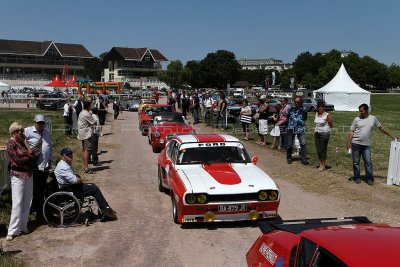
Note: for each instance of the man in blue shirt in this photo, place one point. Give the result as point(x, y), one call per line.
point(297, 116)
point(38, 138)
point(67, 178)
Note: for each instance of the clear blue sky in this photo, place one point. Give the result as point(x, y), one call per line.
point(190, 29)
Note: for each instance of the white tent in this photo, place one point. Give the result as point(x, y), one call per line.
point(343, 92)
point(4, 87)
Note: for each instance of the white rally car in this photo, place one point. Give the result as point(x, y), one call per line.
point(212, 178)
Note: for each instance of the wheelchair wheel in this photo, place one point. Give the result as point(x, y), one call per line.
point(61, 209)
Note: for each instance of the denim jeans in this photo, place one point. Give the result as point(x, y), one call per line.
point(196, 115)
point(221, 116)
point(290, 142)
point(365, 152)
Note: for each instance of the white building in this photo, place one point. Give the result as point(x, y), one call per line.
point(264, 64)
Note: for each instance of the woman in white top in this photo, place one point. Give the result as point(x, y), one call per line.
point(245, 118)
point(323, 124)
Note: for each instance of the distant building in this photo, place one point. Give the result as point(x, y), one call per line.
point(263, 64)
point(137, 66)
point(40, 60)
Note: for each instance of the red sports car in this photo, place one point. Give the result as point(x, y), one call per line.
point(211, 178)
point(166, 126)
point(331, 242)
point(147, 114)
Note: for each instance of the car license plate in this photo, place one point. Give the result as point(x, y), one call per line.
point(231, 208)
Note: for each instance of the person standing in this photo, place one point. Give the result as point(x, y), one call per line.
point(115, 108)
point(245, 118)
point(359, 141)
point(22, 164)
point(85, 131)
point(196, 107)
point(263, 110)
point(208, 103)
point(68, 111)
point(323, 124)
point(95, 138)
point(78, 105)
point(275, 132)
point(297, 116)
point(39, 140)
point(282, 123)
point(221, 113)
point(184, 104)
point(102, 113)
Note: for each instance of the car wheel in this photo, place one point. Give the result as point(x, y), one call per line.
point(143, 133)
point(175, 210)
point(160, 186)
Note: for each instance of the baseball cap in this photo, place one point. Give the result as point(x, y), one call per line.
point(66, 151)
point(39, 118)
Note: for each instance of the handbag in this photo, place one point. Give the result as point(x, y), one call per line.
point(245, 118)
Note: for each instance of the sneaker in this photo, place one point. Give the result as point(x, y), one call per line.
point(370, 182)
point(357, 180)
point(10, 237)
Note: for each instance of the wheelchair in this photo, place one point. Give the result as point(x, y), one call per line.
point(63, 209)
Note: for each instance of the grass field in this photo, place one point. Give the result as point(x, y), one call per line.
point(385, 107)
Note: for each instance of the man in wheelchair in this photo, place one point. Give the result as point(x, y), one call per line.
point(66, 179)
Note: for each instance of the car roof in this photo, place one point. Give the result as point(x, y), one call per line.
point(354, 240)
point(359, 245)
point(206, 138)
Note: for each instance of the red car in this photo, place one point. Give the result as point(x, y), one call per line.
point(331, 242)
point(165, 126)
point(147, 114)
point(211, 178)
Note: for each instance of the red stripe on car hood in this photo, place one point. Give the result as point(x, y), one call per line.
point(223, 173)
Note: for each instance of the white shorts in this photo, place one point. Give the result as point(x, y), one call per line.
point(263, 127)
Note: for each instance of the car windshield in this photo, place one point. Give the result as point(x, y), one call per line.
point(209, 155)
point(235, 102)
point(157, 109)
point(169, 118)
point(148, 101)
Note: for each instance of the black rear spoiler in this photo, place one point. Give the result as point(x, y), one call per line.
point(298, 226)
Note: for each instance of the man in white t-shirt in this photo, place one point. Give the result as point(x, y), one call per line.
point(359, 142)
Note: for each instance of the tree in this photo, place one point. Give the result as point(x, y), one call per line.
point(192, 74)
point(219, 68)
point(174, 74)
point(394, 75)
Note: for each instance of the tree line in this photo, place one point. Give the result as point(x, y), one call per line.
point(220, 68)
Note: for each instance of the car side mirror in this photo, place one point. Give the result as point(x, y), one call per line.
point(168, 162)
point(254, 160)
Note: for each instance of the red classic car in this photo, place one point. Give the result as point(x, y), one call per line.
point(147, 114)
point(331, 242)
point(165, 126)
point(211, 178)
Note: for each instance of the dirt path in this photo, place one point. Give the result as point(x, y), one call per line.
point(145, 234)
